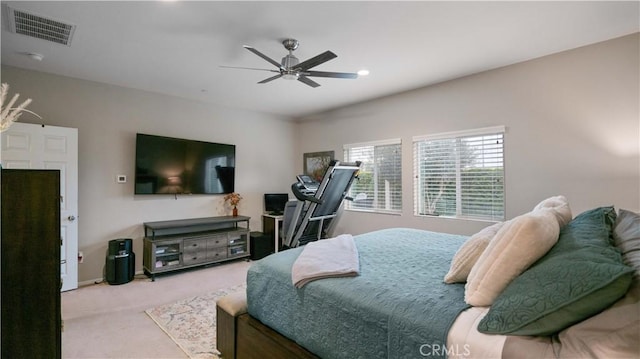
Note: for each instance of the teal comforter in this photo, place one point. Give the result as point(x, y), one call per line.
point(398, 307)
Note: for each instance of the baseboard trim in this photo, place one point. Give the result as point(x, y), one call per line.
point(85, 283)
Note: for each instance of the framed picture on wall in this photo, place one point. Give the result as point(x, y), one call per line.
point(316, 163)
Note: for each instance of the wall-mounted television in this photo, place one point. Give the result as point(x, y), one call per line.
point(167, 165)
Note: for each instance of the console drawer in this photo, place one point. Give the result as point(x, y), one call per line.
point(194, 258)
point(217, 253)
point(194, 245)
point(217, 241)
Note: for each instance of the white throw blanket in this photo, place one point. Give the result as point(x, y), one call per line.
point(326, 258)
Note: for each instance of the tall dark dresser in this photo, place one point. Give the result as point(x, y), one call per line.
point(30, 267)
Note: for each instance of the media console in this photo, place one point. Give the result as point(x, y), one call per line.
point(185, 243)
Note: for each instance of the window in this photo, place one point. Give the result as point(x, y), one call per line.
point(460, 174)
point(379, 184)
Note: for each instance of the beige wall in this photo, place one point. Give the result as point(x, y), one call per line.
point(572, 124)
point(108, 118)
point(572, 128)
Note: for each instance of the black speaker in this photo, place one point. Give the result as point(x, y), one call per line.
point(261, 245)
point(120, 246)
point(121, 261)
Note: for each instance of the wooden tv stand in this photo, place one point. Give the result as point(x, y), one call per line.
point(185, 243)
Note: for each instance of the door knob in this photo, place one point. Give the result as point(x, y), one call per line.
point(71, 218)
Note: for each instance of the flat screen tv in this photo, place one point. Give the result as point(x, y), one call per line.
point(166, 165)
point(274, 203)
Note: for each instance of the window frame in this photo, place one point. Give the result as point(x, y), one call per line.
point(394, 196)
point(459, 136)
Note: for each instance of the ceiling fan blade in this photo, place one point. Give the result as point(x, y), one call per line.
point(247, 68)
point(272, 61)
point(339, 75)
point(270, 79)
point(315, 61)
point(308, 81)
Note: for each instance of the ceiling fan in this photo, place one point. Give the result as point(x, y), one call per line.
point(291, 69)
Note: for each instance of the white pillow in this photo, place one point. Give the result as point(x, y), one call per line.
point(626, 236)
point(560, 207)
point(468, 254)
point(612, 333)
point(516, 246)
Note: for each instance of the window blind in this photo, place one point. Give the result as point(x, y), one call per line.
point(460, 174)
point(379, 184)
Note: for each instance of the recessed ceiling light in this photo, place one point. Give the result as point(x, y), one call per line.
point(363, 72)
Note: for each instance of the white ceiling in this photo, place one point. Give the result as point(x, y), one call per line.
point(177, 47)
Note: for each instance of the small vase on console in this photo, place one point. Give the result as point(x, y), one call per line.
point(233, 199)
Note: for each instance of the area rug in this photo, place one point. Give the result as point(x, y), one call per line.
point(191, 322)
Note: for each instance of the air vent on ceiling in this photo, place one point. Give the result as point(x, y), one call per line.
point(25, 23)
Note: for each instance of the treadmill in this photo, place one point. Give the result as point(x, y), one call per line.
point(318, 205)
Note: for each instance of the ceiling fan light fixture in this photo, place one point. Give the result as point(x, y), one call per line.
point(292, 76)
point(363, 72)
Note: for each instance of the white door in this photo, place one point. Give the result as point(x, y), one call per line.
point(50, 147)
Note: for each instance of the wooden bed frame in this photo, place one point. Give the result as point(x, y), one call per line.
point(241, 336)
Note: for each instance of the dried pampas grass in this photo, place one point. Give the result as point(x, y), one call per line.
point(8, 113)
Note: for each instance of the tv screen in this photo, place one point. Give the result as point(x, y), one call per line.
point(166, 165)
point(274, 203)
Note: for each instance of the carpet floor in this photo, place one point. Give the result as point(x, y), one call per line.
point(191, 322)
point(105, 321)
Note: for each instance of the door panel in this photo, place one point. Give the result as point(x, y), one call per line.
point(30, 146)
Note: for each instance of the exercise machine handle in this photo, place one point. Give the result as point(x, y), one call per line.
point(296, 189)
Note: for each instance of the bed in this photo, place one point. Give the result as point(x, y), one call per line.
point(399, 307)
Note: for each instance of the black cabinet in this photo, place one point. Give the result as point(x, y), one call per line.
point(30, 255)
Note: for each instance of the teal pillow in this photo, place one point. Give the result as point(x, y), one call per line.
point(579, 277)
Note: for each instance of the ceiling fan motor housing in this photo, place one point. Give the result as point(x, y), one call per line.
point(289, 61)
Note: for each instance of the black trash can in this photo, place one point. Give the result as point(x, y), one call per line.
point(121, 261)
